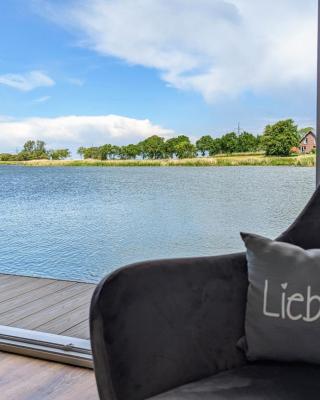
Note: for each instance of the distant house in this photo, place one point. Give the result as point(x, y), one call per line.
point(307, 143)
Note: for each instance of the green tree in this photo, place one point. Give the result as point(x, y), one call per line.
point(215, 147)
point(40, 149)
point(204, 144)
point(153, 147)
point(114, 152)
point(33, 150)
point(229, 143)
point(105, 151)
point(247, 142)
point(278, 139)
point(7, 157)
point(131, 151)
point(59, 154)
point(91, 152)
point(23, 156)
point(172, 145)
point(81, 151)
point(259, 142)
point(185, 149)
point(86, 152)
point(29, 146)
point(96, 152)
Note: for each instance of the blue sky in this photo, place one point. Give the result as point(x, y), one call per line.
point(89, 72)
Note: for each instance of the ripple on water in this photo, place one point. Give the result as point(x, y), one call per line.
point(82, 223)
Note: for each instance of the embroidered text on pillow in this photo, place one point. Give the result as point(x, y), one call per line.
point(285, 308)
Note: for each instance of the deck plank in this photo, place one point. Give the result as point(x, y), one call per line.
point(27, 310)
point(58, 324)
point(49, 313)
point(81, 329)
point(19, 282)
point(32, 295)
point(21, 287)
point(48, 305)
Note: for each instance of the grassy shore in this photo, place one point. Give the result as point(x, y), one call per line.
point(252, 159)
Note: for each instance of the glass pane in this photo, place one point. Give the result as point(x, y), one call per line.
point(215, 101)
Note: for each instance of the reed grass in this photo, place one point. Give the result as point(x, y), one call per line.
point(251, 159)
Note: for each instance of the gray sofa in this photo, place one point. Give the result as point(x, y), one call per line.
point(169, 329)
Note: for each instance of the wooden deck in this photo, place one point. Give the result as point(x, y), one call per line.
point(24, 378)
point(47, 305)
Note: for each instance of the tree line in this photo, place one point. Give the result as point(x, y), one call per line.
point(279, 139)
point(36, 150)
point(156, 147)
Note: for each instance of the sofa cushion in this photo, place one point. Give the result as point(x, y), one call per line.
point(283, 305)
point(258, 381)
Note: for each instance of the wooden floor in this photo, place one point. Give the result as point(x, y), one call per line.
point(24, 378)
point(47, 305)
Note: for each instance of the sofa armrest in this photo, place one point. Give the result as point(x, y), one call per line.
point(159, 324)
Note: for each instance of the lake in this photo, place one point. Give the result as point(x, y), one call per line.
point(82, 223)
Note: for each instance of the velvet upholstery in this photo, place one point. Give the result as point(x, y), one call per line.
point(158, 325)
point(164, 323)
point(254, 381)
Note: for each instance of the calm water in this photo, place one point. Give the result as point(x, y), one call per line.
point(82, 223)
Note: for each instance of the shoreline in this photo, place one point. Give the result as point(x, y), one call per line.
point(218, 161)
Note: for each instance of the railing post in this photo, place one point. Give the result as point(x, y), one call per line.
point(318, 102)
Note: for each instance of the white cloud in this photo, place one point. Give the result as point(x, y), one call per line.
point(28, 81)
point(43, 99)
point(73, 131)
point(215, 47)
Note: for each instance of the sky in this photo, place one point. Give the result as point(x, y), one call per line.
point(88, 72)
